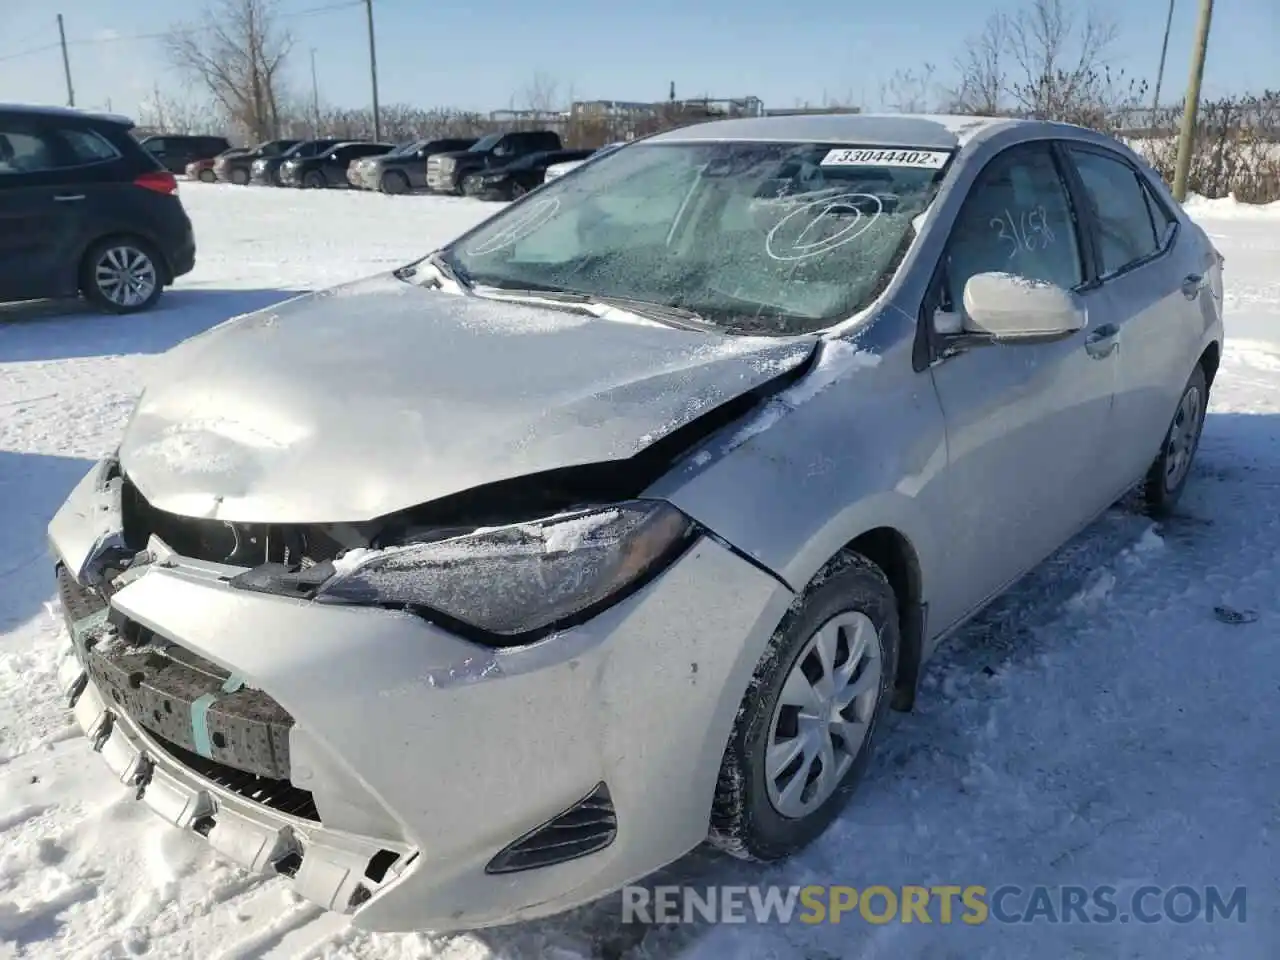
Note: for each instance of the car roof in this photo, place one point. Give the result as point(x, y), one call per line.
point(46, 110)
point(939, 131)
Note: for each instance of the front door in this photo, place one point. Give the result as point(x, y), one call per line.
point(1026, 423)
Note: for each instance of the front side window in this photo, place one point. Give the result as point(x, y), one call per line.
point(1121, 208)
point(753, 237)
point(35, 148)
point(1016, 219)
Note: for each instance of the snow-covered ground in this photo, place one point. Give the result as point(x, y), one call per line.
point(1100, 725)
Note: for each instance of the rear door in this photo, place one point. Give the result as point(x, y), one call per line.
point(1153, 277)
point(1026, 422)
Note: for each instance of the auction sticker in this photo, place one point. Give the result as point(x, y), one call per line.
point(866, 157)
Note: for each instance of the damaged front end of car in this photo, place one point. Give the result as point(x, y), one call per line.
point(197, 743)
point(206, 735)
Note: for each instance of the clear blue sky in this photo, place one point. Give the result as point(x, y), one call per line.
point(477, 56)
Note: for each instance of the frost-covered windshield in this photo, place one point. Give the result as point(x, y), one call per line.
point(754, 237)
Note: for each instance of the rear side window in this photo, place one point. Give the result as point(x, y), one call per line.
point(1122, 208)
point(1016, 219)
point(89, 146)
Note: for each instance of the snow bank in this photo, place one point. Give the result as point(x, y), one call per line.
point(1229, 208)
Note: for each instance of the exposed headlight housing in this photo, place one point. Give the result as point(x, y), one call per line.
point(516, 580)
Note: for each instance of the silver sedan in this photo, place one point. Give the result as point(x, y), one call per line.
point(473, 591)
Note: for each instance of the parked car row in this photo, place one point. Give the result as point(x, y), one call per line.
point(500, 166)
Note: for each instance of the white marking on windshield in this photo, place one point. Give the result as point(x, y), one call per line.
point(798, 248)
point(522, 224)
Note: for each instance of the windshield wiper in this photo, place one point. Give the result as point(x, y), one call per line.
point(664, 313)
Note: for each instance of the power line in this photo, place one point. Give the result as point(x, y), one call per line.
point(129, 38)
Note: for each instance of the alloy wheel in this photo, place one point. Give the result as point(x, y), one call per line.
point(125, 275)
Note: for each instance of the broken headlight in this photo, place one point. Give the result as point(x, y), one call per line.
point(521, 578)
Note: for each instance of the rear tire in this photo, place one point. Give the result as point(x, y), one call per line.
point(240, 176)
point(393, 181)
point(1167, 477)
point(122, 275)
point(828, 674)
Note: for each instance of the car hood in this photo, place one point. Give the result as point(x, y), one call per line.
point(359, 401)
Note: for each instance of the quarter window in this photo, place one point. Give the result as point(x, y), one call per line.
point(1121, 207)
point(1017, 219)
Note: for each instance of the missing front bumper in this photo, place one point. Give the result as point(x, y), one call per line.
point(264, 824)
point(335, 870)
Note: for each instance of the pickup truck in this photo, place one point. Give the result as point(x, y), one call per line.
point(446, 171)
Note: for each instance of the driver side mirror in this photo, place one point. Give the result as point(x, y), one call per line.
point(1003, 307)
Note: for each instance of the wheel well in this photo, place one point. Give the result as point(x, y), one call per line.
point(1210, 359)
point(892, 552)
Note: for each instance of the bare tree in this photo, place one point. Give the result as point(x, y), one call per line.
point(1044, 61)
point(910, 91)
point(983, 70)
point(166, 114)
point(237, 53)
point(1059, 63)
point(541, 95)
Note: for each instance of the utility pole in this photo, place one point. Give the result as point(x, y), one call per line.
point(1192, 103)
point(66, 63)
point(373, 71)
point(315, 98)
point(1164, 51)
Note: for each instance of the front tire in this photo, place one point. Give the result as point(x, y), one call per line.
point(121, 275)
point(807, 726)
point(1167, 477)
point(315, 180)
point(208, 176)
point(393, 181)
point(240, 177)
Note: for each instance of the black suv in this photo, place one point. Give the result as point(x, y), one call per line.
point(446, 171)
point(85, 209)
point(175, 152)
point(329, 169)
point(266, 170)
point(238, 167)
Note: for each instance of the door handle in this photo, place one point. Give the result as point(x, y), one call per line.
point(68, 197)
point(1103, 342)
point(1192, 284)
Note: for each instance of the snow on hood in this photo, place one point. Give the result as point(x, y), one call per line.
point(380, 395)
